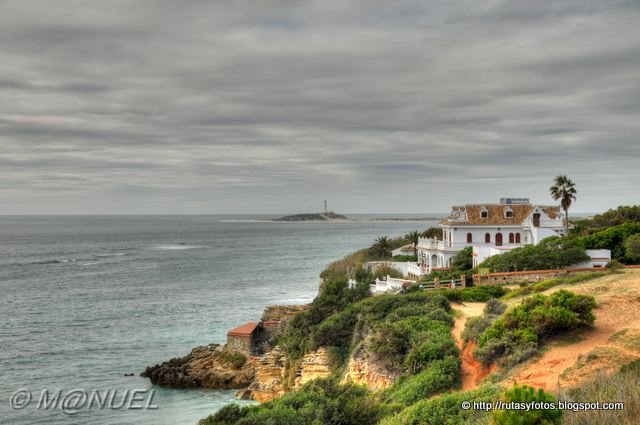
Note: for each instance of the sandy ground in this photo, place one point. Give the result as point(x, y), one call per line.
point(565, 364)
point(472, 370)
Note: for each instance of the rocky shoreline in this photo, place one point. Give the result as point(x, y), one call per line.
point(205, 367)
point(261, 377)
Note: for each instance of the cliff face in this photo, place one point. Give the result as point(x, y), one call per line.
point(314, 365)
point(363, 370)
point(269, 379)
point(268, 383)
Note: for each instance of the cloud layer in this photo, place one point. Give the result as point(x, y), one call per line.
point(158, 106)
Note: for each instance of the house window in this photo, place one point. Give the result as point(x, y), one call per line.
point(517, 237)
point(469, 237)
point(498, 239)
point(487, 238)
point(484, 213)
point(511, 238)
point(508, 213)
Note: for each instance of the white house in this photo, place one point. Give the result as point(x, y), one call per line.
point(491, 229)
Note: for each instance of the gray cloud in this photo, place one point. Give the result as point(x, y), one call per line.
point(157, 106)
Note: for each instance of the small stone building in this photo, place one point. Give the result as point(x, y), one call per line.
point(245, 338)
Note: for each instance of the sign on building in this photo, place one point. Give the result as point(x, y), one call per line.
point(511, 201)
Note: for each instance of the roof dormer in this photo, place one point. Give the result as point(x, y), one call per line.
point(484, 212)
point(508, 212)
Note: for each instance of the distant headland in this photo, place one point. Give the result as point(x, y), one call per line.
point(325, 216)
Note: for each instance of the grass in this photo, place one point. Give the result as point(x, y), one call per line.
point(628, 338)
point(545, 285)
point(623, 386)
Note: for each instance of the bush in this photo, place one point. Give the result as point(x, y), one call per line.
point(517, 334)
point(463, 260)
point(234, 358)
point(525, 394)
point(550, 253)
point(321, 401)
point(474, 293)
point(613, 238)
point(438, 376)
point(446, 409)
point(494, 307)
point(632, 248)
point(474, 327)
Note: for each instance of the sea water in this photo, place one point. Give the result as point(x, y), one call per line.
point(85, 300)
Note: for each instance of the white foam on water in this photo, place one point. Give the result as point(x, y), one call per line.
point(180, 247)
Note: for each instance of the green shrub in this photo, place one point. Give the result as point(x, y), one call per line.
point(321, 401)
point(474, 327)
point(632, 248)
point(614, 239)
point(550, 253)
point(525, 394)
point(446, 409)
point(494, 307)
point(463, 260)
point(474, 293)
point(233, 358)
point(517, 334)
point(438, 376)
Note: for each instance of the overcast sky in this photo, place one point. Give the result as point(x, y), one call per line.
point(201, 106)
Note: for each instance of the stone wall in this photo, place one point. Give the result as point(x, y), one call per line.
point(243, 344)
point(528, 276)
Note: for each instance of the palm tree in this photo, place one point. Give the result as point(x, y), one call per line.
point(563, 189)
point(381, 247)
point(413, 237)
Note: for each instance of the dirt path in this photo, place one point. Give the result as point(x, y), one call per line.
point(471, 370)
point(565, 365)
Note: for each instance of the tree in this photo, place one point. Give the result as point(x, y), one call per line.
point(632, 247)
point(432, 232)
point(413, 238)
point(381, 247)
point(564, 190)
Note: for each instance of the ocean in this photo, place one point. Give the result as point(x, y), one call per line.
point(85, 300)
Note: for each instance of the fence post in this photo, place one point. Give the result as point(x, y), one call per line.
point(463, 281)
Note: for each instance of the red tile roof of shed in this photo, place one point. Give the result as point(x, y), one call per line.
point(245, 330)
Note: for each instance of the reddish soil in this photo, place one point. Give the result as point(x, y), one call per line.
point(472, 370)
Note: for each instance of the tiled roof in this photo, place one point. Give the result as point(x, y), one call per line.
point(496, 214)
point(245, 330)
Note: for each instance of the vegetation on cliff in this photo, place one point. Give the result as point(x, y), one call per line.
point(518, 333)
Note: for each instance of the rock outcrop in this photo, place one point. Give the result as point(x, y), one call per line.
point(268, 383)
point(205, 367)
point(314, 365)
point(363, 370)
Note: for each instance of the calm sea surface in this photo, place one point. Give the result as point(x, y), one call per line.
point(84, 300)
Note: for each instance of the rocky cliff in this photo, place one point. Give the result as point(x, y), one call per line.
point(208, 366)
point(362, 369)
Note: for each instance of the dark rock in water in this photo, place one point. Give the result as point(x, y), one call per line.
point(204, 367)
point(129, 374)
point(244, 394)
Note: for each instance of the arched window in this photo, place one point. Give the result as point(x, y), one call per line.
point(487, 238)
point(484, 213)
point(469, 237)
point(511, 238)
point(498, 239)
point(517, 237)
point(508, 213)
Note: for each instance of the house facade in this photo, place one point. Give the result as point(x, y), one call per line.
point(491, 229)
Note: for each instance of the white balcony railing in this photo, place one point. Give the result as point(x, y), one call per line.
point(438, 245)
